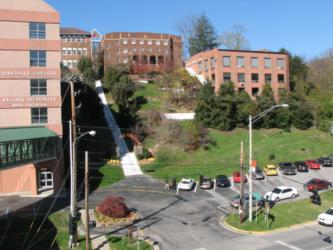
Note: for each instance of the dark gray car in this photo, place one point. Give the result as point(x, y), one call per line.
point(258, 174)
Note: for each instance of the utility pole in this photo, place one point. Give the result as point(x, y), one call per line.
point(250, 168)
point(73, 217)
point(241, 209)
point(86, 180)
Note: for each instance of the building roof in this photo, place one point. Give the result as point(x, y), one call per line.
point(25, 133)
point(71, 30)
point(254, 51)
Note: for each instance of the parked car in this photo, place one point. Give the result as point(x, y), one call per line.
point(313, 164)
point(317, 184)
point(258, 174)
point(222, 181)
point(326, 218)
point(237, 177)
point(301, 166)
point(325, 161)
point(270, 170)
point(186, 184)
point(206, 183)
point(281, 193)
point(287, 168)
point(257, 200)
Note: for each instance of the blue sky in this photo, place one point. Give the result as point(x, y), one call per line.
point(305, 27)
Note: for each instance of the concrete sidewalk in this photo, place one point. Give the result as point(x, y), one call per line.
point(129, 162)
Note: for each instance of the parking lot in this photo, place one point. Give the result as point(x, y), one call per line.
point(224, 195)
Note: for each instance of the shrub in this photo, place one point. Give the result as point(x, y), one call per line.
point(113, 206)
point(271, 157)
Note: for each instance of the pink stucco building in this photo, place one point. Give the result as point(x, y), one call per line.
point(30, 98)
point(248, 70)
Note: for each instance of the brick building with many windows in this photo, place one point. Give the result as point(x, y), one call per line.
point(248, 70)
point(30, 98)
point(144, 52)
point(75, 43)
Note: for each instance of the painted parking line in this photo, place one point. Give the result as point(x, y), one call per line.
point(282, 243)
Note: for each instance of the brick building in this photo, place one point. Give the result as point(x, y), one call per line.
point(249, 70)
point(75, 43)
point(144, 52)
point(30, 98)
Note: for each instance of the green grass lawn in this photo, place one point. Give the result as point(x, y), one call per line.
point(156, 98)
point(224, 157)
point(286, 214)
point(117, 243)
point(110, 174)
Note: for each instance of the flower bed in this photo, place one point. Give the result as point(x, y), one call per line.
point(105, 221)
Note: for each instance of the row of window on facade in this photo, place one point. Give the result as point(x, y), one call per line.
point(70, 63)
point(74, 38)
point(139, 59)
point(126, 50)
point(240, 62)
point(254, 78)
point(75, 51)
point(138, 41)
point(18, 152)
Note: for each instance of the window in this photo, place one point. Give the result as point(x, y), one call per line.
point(117, 42)
point(255, 92)
point(64, 51)
point(281, 78)
point(206, 65)
point(158, 42)
point(240, 61)
point(166, 42)
point(226, 61)
point(254, 62)
point(74, 38)
point(69, 51)
point(80, 39)
point(226, 77)
point(69, 38)
point(85, 51)
point(63, 38)
point(125, 51)
point(158, 49)
point(255, 77)
point(267, 62)
point(37, 58)
point(107, 46)
point(37, 31)
point(241, 77)
point(150, 49)
point(124, 41)
point(38, 115)
point(64, 62)
point(134, 49)
point(268, 78)
point(150, 42)
point(38, 87)
point(69, 64)
point(199, 67)
point(74, 51)
point(142, 50)
point(142, 42)
point(125, 60)
point(280, 63)
point(45, 180)
point(212, 62)
point(133, 41)
point(241, 89)
point(79, 51)
point(74, 63)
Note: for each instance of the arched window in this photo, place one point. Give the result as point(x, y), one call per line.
point(135, 59)
point(160, 60)
point(152, 60)
point(144, 59)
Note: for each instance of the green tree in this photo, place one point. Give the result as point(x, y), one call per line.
point(205, 105)
point(245, 107)
point(85, 67)
point(264, 102)
point(204, 36)
point(112, 75)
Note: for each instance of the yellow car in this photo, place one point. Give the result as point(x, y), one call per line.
point(270, 170)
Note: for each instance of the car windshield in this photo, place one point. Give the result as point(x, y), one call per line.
point(329, 211)
point(276, 190)
point(258, 171)
point(271, 167)
point(221, 177)
point(186, 182)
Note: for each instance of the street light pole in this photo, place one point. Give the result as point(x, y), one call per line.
point(251, 121)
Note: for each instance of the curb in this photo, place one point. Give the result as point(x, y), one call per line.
point(224, 224)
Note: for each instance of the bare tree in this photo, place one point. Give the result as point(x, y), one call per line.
point(235, 38)
point(186, 27)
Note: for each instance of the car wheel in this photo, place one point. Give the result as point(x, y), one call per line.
point(276, 199)
point(293, 196)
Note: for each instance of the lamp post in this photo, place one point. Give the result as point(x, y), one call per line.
point(73, 170)
point(251, 121)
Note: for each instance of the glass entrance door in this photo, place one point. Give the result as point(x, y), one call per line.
point(45, 180)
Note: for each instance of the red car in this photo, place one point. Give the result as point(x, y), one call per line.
point(237, 177)
point(317, 184)
point(313, 164)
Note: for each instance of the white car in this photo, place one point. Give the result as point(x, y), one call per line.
point(326, 218)
point(185, 184)
point(281, 193)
